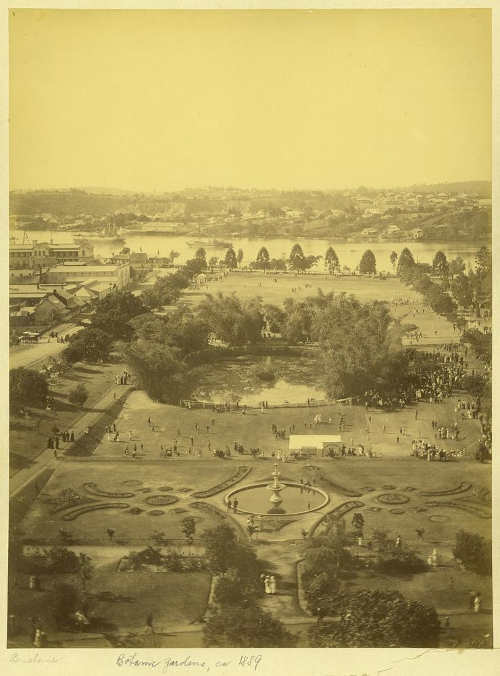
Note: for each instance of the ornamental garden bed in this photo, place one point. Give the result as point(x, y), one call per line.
point(392, 498)
point(158, 500)
point(336, 513)
point(240, 473)
point(93, 489)
point(463, 488)
point(470, 509)
point(70, 516)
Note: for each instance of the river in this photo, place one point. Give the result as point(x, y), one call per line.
point(349, 253)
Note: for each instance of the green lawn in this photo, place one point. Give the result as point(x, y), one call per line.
point(248, 285)
point(173, 598)
point(253, 430)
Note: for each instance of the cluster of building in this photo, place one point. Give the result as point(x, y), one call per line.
point(50, 283)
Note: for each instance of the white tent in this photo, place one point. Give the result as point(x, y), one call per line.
point(312, 443)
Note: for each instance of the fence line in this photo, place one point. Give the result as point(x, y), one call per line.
point(312, 403)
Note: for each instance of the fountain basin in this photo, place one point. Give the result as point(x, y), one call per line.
point(254, 499)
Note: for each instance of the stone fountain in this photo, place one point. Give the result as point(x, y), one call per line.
point(276, 488)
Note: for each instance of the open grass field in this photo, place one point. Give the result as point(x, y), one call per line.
point(434, 328)
point(253, 430)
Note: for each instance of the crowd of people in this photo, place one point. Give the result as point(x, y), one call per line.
point(420, 448)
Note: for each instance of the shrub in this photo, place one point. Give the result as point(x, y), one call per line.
point(474, 551)
point(78, 395)
point(401, 563)
point(27, 388)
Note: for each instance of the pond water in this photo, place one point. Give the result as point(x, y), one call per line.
point(349, 253)
point(296, 379)
point(294, 499)
point(280, 392)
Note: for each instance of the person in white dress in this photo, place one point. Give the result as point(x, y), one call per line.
point(272, 584)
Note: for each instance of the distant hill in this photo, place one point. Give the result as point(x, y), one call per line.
point(482, 188)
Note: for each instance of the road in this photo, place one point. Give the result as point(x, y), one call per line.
point(29, 356)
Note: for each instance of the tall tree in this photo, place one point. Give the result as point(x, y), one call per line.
point(368, 264)
point(263, 258)
point(405, 261)
point(201, 253)
point(440, 265)
point(462, 291)
point(230, 260)
point(239, 257)
point(297, 258)
point(394, 258)
point(331, 260)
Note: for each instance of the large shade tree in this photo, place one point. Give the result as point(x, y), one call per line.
point(368, 264)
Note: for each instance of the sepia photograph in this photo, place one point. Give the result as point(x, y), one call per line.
point(250, 329)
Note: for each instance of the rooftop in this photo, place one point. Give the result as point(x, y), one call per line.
point(298, 441)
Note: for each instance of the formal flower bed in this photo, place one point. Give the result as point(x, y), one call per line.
point(70, 516)
point(470, 509)
point(165, 488)
point(438, 518)
point(392, 498)
point(157, 500)
point(388, 487)
point(156, 512)
point(336, 513)
point(240, 473)
point(463, 488)
point(135, 510)
point(93, 489)
point(397, 511)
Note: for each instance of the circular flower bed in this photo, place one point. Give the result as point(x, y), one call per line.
point(179, 510)
point(146, 490)
point(392, 499)
point(135, 510)
point(388, 487)
point(94, 489)
point(132, 482)
point(368, 489)
point(70, 516)
point(420, 509)
point(397, 511)
point(161, 500)
point(439, 518)
point(156, 512)
point(165, 488)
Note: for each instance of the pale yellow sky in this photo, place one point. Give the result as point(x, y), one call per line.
point(160, 100)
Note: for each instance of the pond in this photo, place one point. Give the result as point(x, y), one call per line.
point(251, 380)
point(294, 500)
